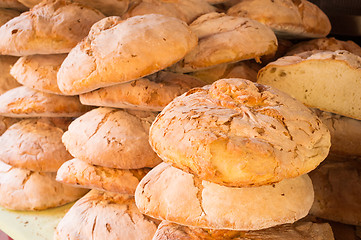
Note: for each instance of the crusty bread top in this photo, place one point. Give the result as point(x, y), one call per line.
point(325, 44)
point(7, 14)
point(288, 18)
point(117, 51)
point(34, 144)
point(7, 81)
point(168, 193)
point(238, 133)
point(39, 72)
point(297, 231)
point(51, 27)
point(112, 138)
point(26, 102)
point(151, 93)
point(13, 4)
point(224, 38)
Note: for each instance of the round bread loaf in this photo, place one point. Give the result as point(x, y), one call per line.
point(34, 144)
point(168, 193)
point(287, 18)
point(118, 51)
point(21, 189)
point(51, 27)
point(224, 39)
point(82, 174)
point(151, 93)
point(26, 102)
point(329, 81)
point(7, 14)
point(296, 231)
point(7, 82)
point(103, 215)
point(112, 138)
point(238, 133)
point(39, 72)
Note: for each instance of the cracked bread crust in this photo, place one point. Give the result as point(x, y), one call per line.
point(168, 193)
point(39, 72)
point(34, 144)
point(113, 138)
point(51, 27)
point(82, 174)
point(22, 189)
point(117, 51)
point(296, 231)
point(225, 39)
point(23, 102)
point(151, 93)
point(287, 18)
point(238, 133)
point(104, 215)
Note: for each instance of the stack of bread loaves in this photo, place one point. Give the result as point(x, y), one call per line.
point(239, 153)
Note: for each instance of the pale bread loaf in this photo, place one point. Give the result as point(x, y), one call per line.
point(224, 39)
point(39, 72)
point(151, 93)
point(329, 81)
point(296, 231)
point(7, 14)
point(118, 51)
point(168, 193)
point(12, 4)
point(112, 138)
point(34, 144)
point(337, 187)
point(329, 44)
point(239, 133)
point(26, 102)
point(21, 189)
point(52, 27)
point(82, 174)
point(287, 18)
point(6, 122)
point(7, 81)
point(104, 215)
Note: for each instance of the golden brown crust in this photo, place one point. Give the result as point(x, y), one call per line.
point(82, 174)
point(112, 138)
point(26, 102)
point(288, 18)
point(168, 193)
point(104, 215)
point(238, 133)
point(151, 93)
point(52, 27)
point(7, 81)
point(117, 51)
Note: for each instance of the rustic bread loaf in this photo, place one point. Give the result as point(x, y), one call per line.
point(118, 51)
point(52, 27)
point(168, 193)
point(238, 133)
point(7, 81)
point(329, 81)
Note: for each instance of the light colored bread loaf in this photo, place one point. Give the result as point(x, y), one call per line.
point(238, 133)
point(287, 18)
point(7, 81)
point(103, 215)
point(345, 134)
point(52, 27)
point(38, 72)
point(329, 81)
point(118, 51)
point(26, 102)
point(21, 189)
point(224, 39)
point(112, 138)
point(34, 144)
point(168, 193)
point(325, 44)
point(6, 122)
point(13, 4)
point(7, 14)
point(82, 174)
point(296, 231)
point(151, 93)
point(337, 187)
point(185, 10)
